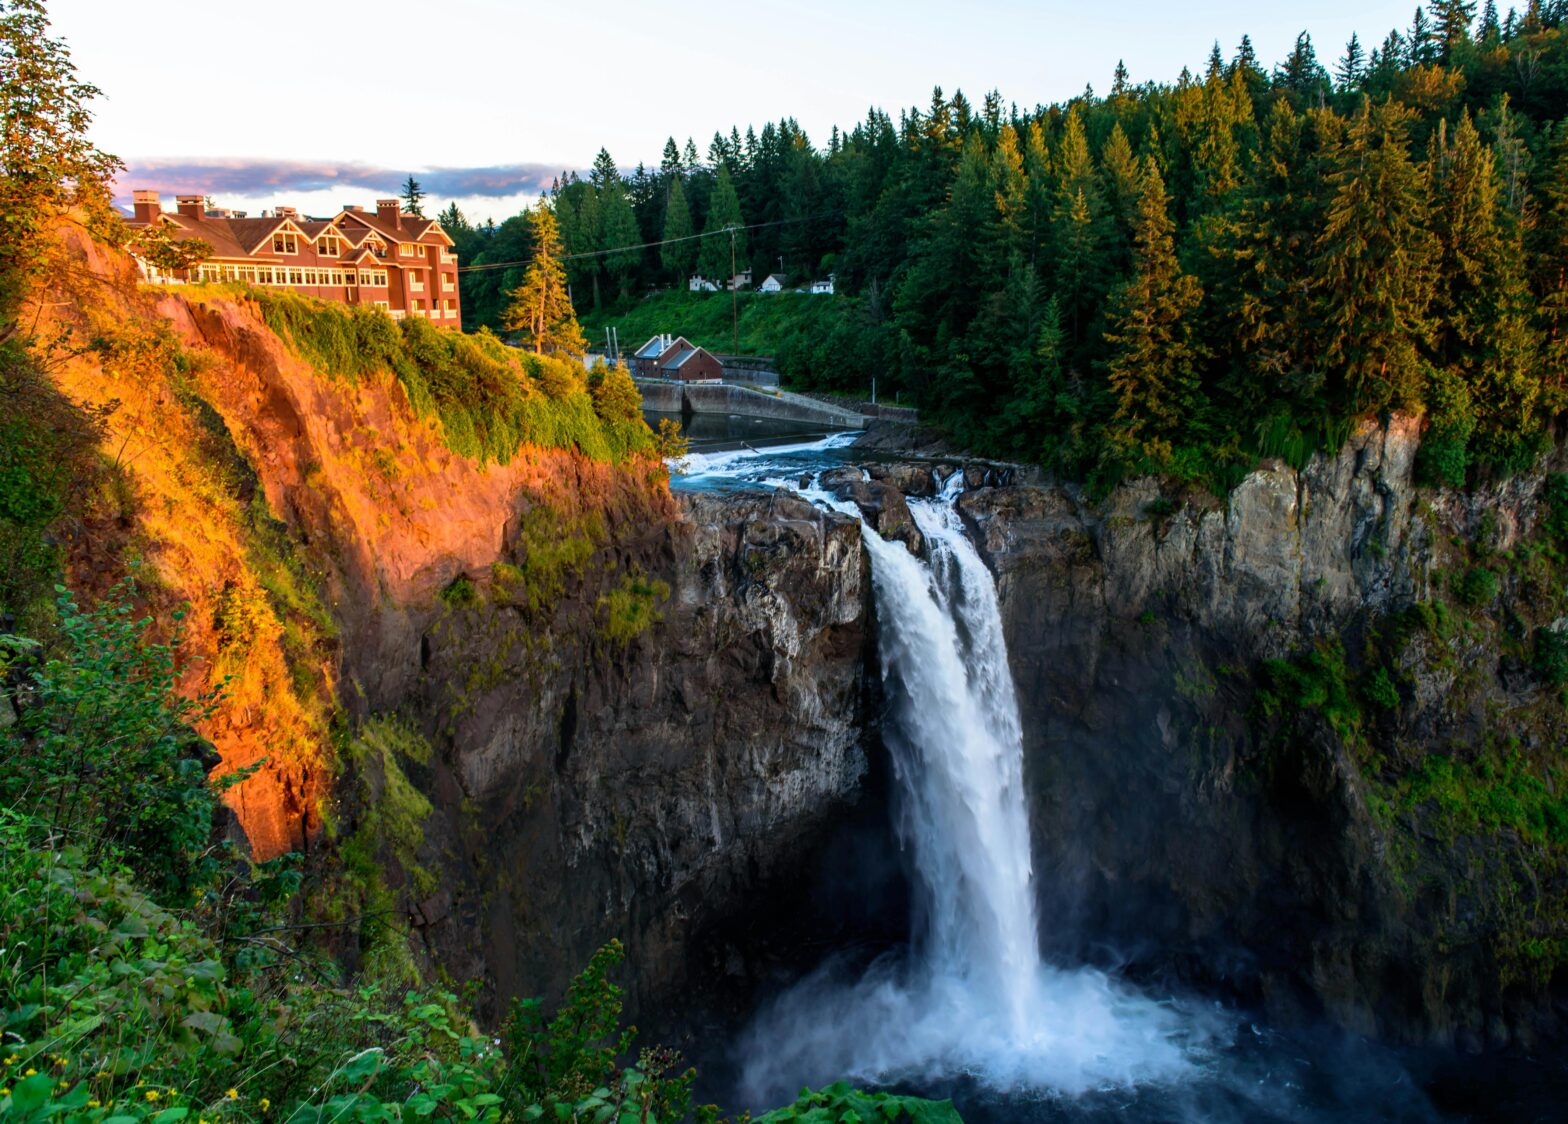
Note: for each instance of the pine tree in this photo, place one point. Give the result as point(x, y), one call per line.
point(1154, 365)
point(1352, 66)
point(619, 235)
point(1120, 85)
point(452, 220)
point(1453, 19)
point(670, 161)
point(1491, 30)
point(540, 309)
point(689, 160)
point(1301, 73)
point(1423, 48)
point(1374, 272)
point(723, 213)
point(413, 197)
point(679, 252)
point(604, 172)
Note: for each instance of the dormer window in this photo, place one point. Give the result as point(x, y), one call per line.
point(285, 242)
point(329, 245)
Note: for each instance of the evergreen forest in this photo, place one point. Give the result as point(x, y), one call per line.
point(1174, 277)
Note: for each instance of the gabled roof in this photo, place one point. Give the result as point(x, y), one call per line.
point(408, 228)
point(779, 277)
point(650, 350)
point(675, 363)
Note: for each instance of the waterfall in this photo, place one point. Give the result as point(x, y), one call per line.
point(973, 996)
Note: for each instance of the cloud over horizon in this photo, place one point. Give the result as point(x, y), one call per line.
point(252, 178)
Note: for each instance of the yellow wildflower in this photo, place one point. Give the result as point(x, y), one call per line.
point(152, 1094)
point(233, 1094)
point(10, 1060)
point(265, 1104)
point(94, 1104)
point(29, 1072)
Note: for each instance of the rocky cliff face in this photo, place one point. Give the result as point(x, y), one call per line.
point(1299, 743)
point(653, 787)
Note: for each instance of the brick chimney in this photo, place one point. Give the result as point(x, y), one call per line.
point(147, 206)
point(388, 210)
point(288, 212)
point(191, 206)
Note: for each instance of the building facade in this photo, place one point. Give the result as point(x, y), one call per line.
point(677, 359)
point(385, 258)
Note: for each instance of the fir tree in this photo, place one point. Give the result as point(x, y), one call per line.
point(1491, 30)
point(540, 309)
point(413, 197)
point(1351, 67)
point(1374, 271)
point(619, 235)
point(1453, 19)
point(670, 161)
point(1301, 73)
point(723, 213)
point(604, 172)
point(1423, 48)
point(1154, 364)
point(679, 252)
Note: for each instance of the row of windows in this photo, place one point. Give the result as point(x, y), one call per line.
point(328, 245)
point(294, 275)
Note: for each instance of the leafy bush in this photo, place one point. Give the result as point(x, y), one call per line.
point(1551, 656)
point(840, 1104)
point(104, 752)
point(630, 609)
point(1316, 680)
point(490, 399)
point(1477, 588)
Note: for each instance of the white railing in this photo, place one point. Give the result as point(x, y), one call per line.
point(448, 258)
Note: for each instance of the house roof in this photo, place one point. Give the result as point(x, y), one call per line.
point(779, 277)
point(407, 228)
point(672, 364)
point(650, 350)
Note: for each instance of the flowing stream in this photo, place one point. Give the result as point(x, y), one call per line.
point(973, 997)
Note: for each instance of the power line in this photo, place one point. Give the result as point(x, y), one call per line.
point(723, 231)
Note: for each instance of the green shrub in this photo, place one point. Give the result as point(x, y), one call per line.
point(1551, 656)
point(1315, 680)
point(631, 609)
point(489, 399)
point(1381, 690)
point(1477, 588)
point(104, 752)
point(840, 1104)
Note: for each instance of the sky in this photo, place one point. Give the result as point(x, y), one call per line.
point(317, 103)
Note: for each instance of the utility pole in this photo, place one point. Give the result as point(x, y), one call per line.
point(734, 297)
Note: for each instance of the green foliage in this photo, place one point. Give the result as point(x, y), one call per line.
point(1550, 658)
point(489, 399)
point(48, 467)
point(460, 593)
point(631, 608)
point(1316, 680)
point(1381, 690)
point(103, 751)
point(47, 163)
point(840, 1104)
point(1495, 791)
point(1477, 588)
point(1328, 252)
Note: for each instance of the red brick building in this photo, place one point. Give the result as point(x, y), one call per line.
point(677, 359)
point(383, 258)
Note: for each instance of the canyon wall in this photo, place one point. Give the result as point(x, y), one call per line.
point(1299, 744)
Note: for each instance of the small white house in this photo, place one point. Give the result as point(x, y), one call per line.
point(824, 286)
point(741, 280)
point(701, 285)
point(774, 283)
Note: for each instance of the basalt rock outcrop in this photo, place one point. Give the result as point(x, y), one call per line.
point(1274, 828)
point(649, 789)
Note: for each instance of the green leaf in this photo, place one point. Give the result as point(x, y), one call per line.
point(170, 1115)
point(29, 1094)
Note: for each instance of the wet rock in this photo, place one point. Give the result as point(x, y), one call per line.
point(883, 508)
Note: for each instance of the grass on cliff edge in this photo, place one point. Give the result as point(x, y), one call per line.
point(490, 399)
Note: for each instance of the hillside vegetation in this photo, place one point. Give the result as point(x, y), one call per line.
point(1174, 276)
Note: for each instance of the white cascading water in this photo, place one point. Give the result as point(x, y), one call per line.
point(974, 997)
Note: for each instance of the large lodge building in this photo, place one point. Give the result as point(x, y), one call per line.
point(386, 259)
